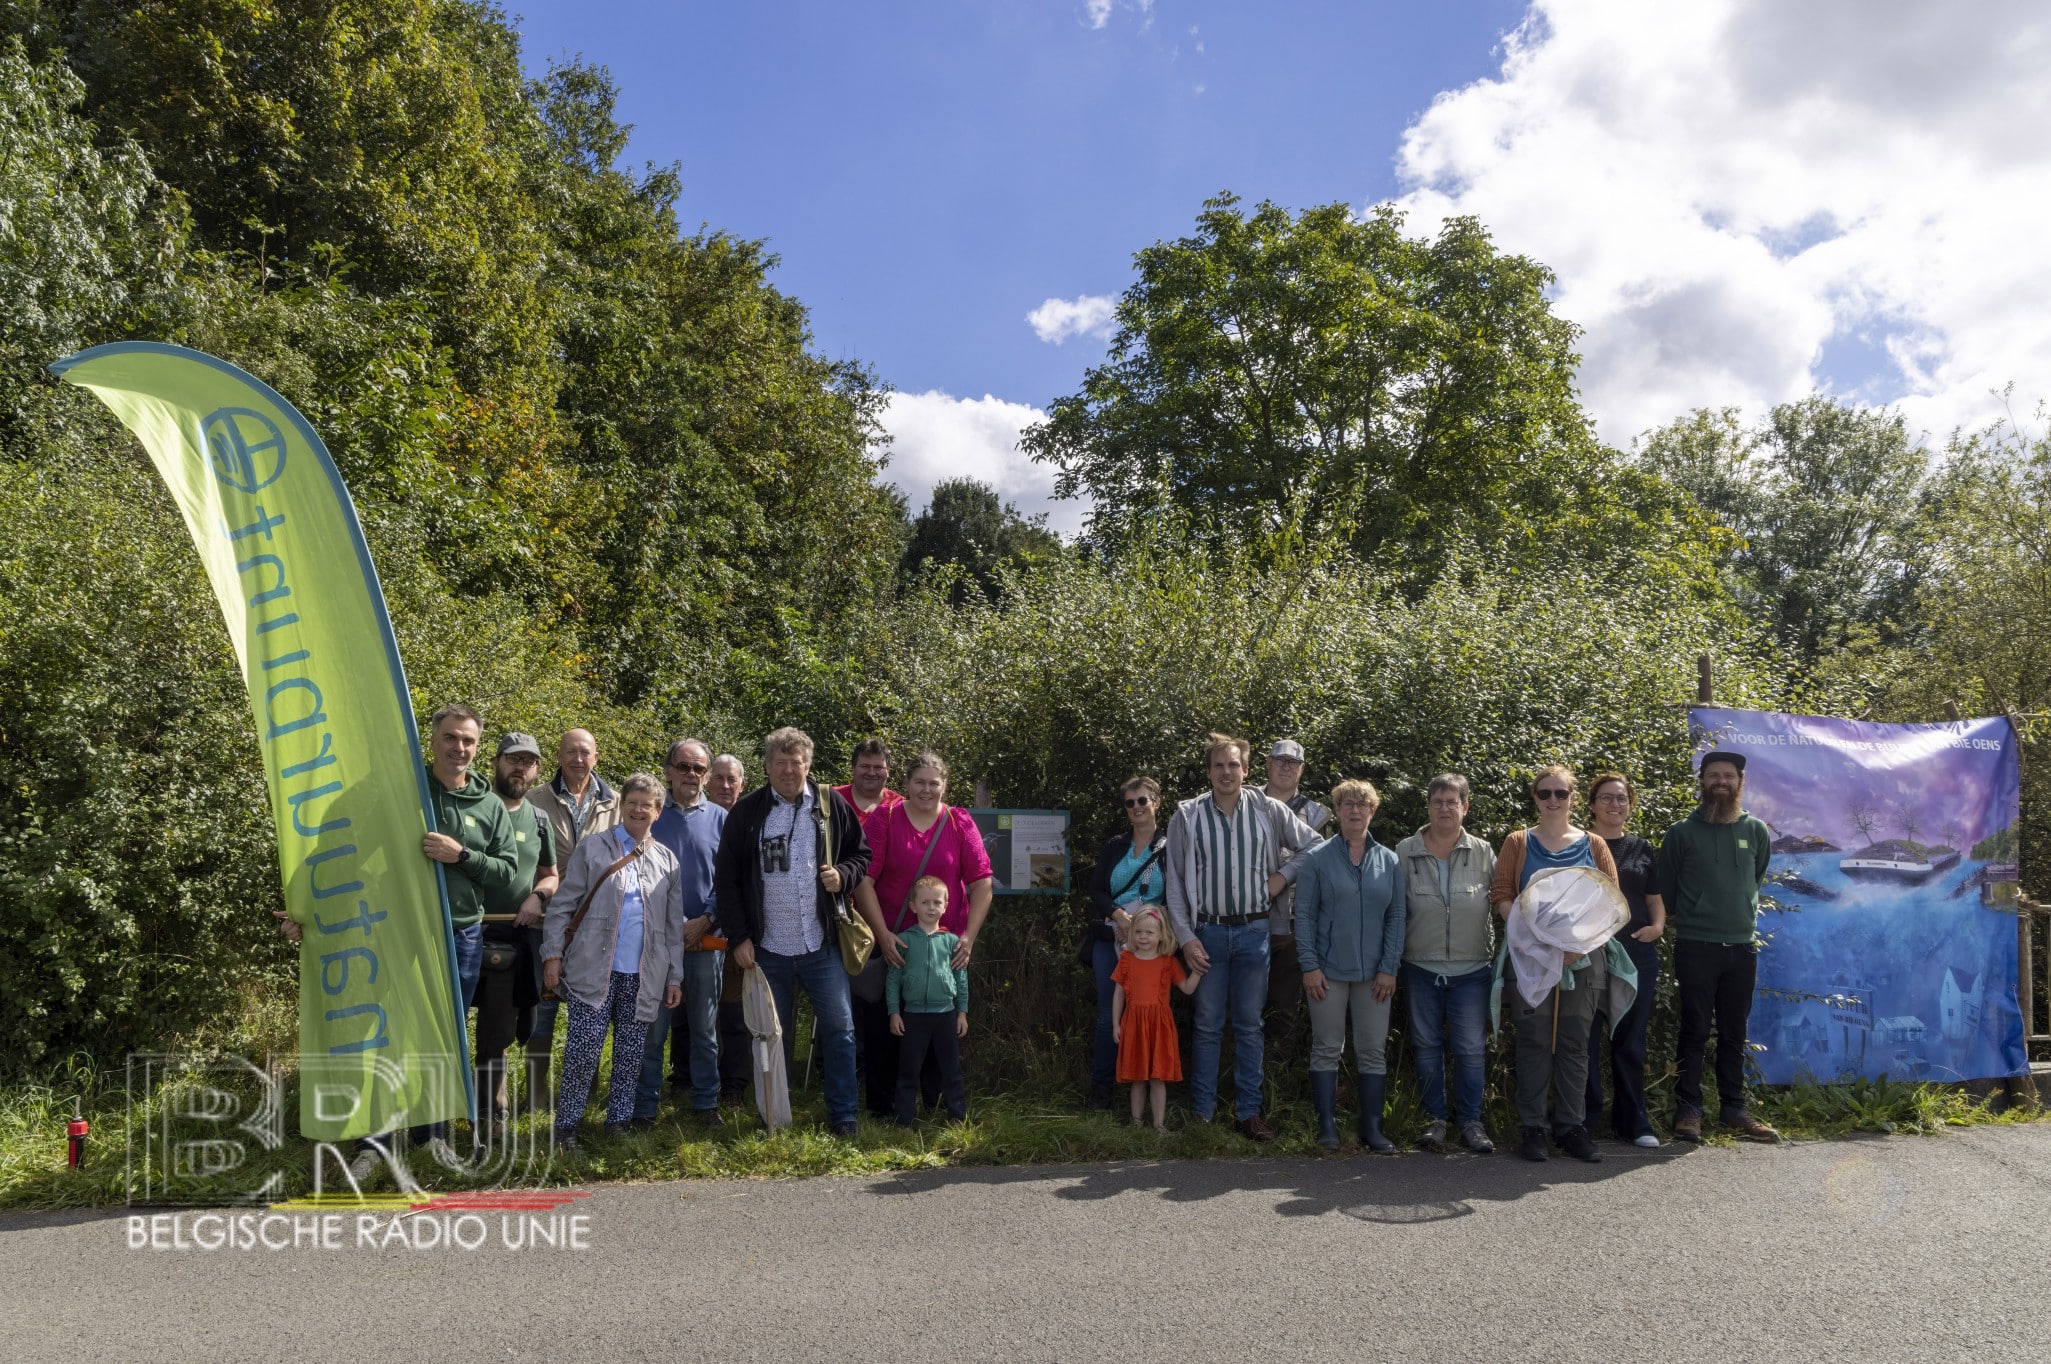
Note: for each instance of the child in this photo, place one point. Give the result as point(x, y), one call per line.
point(1149, 1054)
point(928, 998)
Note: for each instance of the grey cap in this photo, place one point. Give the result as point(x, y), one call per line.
point(1287, 748)
point(517, 742)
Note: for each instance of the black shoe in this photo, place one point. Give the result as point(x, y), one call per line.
point(567, 1141)
point(1576, 1142)
point(617, 1129)
point(1532, 1144)
point(1100, 1098)
point(710, 1117)
point(641, 1124)
point(849, 1130)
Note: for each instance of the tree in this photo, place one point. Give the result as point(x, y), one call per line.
point(1863, 818)
point(1328, 372)
point(1828, 500)
point(966, 523)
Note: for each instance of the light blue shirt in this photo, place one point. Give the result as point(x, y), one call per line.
point(790, 892)
point(626, 947)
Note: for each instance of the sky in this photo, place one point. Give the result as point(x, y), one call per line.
point(1743, 200)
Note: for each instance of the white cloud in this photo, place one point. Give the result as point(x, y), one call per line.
point(936, 436)
point(1747, 198)
point(1099, 12)
point(1060, 318)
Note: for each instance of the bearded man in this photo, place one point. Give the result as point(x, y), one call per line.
point(1710, 869)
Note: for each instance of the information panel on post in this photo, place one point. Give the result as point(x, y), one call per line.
point(1028, 850)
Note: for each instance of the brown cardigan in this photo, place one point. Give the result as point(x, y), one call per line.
point(1510, 866)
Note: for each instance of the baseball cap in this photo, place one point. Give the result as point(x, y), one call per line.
point(1722, 755)
point(517, 742)
point(1287, 748)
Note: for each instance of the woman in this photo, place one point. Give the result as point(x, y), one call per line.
point(1446, 877)
point(1129, 874)
point(1552, 1038)
point(1349, 943)
point(920, 836)
point(1611, 798)
point(623, 957)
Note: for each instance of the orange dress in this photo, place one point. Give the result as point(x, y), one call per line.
point(1147, 1045)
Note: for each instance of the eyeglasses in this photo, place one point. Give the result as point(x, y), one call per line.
point(1553, 794)
point(699, 768)
point(1612, 798)
point(1138, 802)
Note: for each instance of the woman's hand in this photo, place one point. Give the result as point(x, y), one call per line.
point(1120, 921)
point(963, 950)
point(1314, 984)
point(1384, 987)
point(672, 996)
point(829, 877)
point(893, 948)
point(552, 974)
point(1650, 933)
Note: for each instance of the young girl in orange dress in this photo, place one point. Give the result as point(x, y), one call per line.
point(1149, 1054)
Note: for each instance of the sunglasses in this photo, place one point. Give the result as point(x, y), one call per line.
point(1138, 802)
point(690, 767)
point(1553, 794)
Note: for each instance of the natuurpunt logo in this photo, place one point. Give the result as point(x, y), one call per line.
point(209, 1132)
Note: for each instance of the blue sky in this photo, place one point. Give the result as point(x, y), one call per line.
point(1743, 200)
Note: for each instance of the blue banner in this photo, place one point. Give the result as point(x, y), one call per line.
point(1891, 950)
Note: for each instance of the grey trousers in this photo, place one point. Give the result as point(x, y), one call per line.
point(1555, 1060)
point(1370, 1026)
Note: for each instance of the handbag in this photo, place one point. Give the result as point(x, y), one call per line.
point(857, 939)
point(577, 919)
point(870, 984)
point(1086, 950)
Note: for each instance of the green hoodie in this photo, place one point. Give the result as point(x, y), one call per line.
point(476, 818)
point(1710, 874)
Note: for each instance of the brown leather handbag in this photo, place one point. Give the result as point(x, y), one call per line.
point(583, 908)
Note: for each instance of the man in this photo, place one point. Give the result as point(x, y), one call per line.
point(873, 800)
point(473, 841)
point(506, 999)
point(870, 791)
point(575, 803)
point(1284, 1012)
point(723, 786)
point(1710, 869)
point(1224, 860)
point(789, 859)
point(726, 781)
point(689, 826)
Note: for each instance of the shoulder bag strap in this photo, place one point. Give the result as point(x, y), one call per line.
point(584, 905)
point(947, 818)
point(1153, 855)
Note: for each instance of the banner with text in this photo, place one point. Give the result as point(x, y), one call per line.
point(1893, 953)
point(380, 1025)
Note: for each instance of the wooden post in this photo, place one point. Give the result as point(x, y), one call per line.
point(1705, 681)
point(982, 793)
point(1951, 712)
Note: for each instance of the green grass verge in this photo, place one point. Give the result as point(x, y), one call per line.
point(1046, 1127)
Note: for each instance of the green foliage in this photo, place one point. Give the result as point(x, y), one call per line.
point(1827, 498)
point(968, 525)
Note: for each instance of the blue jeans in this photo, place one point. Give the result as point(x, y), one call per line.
point(1103, 1051)
point(700, 1010)
point(1235, 986)
point(469, 966)
point(1448, 1014)
point(825, 982)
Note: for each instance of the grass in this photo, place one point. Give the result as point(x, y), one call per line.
point(1044, 1125)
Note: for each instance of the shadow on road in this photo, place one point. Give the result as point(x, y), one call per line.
point(1408, 1188)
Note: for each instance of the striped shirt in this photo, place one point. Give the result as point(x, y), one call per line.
point(1219, 864)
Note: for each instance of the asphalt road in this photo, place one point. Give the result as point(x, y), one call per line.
point(1881, 1249)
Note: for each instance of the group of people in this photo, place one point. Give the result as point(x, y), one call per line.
point(1243, 900)
point(641, 906)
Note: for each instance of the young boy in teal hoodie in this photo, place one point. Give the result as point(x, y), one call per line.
point(928, 999)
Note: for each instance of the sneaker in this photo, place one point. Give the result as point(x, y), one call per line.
point(567, 1141)
point(1474, 1137)
point(710, 1117)
point(1531, 1145)
point(642, 1124)
point(617, 1129)
point(1688, 1127)
point(445, 1155)
point(1749, 1128)
point(847, 1130)
point(1648, 1141)
point(1576, 1142)
point(1434, 1138)
point(364, 1167)
point(1254, 1128)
